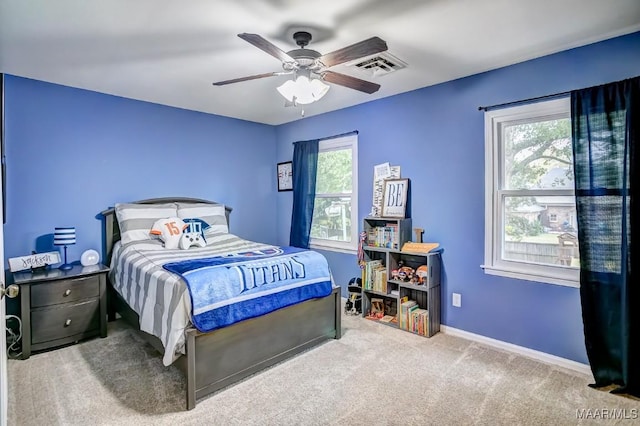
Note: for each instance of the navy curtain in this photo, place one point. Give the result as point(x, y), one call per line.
point(305, 168)
point(605, 146)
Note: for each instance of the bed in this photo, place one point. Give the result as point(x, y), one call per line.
point(210, 360)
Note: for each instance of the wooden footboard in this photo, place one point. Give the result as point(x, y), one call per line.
point(223, 357)
point(220, 358)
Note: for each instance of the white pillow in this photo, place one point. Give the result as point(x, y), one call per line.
point(169, 230)
point(135, 220)
point(212, 214)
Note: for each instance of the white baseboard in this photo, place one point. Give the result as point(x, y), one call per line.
point(520, 350)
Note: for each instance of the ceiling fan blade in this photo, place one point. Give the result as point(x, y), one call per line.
point(359, 50)
point(350, 82)
point(263, 44)
point(251, 77)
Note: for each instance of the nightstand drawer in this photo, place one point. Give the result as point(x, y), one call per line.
point(65, 291)
point(59, 307)
point(65, 320)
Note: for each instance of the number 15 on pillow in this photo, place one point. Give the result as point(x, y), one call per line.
point(169, 230)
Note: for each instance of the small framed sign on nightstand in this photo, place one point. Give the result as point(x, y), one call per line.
point(285, 176)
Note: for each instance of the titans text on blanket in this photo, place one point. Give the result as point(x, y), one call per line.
point(270, 271)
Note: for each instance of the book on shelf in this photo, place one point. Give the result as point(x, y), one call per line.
point(375, 276)
point(418, 321)
point(393, 238)
point(410, 313)
point(380, 280)
point(383, 236)
point(371, 236)
point(387, 318)
point(369, 268)
point(405, 309)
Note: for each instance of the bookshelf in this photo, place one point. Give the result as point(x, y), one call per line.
point(386, 233)
point(410, 305)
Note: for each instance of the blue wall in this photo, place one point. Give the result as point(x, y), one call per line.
point(436, 135)
point(72, 153)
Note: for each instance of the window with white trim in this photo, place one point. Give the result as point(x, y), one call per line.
point(530, 212)
point(335, 213)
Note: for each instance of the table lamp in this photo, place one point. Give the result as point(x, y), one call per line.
point(64, 237)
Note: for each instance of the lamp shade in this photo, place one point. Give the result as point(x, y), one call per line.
point(303, 90)
point(64, 236)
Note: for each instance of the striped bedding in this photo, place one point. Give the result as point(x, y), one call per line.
point(160, 297)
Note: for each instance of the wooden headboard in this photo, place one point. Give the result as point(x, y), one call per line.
point(111, 231)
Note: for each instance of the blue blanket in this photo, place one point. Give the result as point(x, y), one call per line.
point(228, 289)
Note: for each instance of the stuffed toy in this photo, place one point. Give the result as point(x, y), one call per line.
point(169, 230)
point(192, 236)
point(422, 273)
point(201, 224)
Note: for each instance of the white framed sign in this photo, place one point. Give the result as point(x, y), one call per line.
point(380, 173)
point(394, 198)
point(33, 261)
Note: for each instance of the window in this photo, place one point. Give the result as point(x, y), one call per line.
point(530, 208)
point(335, 215)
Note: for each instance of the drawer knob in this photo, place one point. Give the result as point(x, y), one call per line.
point(67, 323)
point(67, 292)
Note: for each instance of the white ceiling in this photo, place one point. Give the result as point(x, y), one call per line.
point(169, 52)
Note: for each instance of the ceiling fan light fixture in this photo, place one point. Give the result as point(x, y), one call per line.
point(303, 89)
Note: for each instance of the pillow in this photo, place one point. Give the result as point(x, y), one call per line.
point(212, 214)
point(196, 225)
point(135, 220)
point(169, 230)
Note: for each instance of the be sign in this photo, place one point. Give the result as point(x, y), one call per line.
point(395, 197)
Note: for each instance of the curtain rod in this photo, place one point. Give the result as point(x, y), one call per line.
point(353, 132)
point(537, 98)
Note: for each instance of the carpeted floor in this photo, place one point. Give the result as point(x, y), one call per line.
point(374, 375)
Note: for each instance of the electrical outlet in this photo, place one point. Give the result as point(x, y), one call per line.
point(456, 300)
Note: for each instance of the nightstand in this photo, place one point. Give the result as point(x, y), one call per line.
point(61, 307)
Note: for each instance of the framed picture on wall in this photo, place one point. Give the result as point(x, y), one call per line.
point(394, 197)
point(285, 176)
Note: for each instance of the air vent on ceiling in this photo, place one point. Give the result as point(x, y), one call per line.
point(381, 64)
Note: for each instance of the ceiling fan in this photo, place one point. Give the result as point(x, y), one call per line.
point(311, 68)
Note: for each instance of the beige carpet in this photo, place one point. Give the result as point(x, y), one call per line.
point(374, 375)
